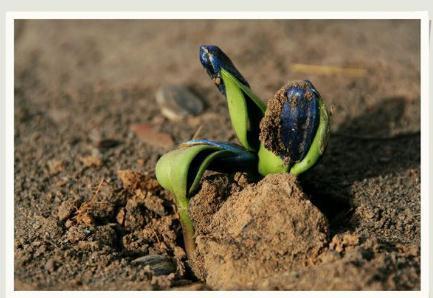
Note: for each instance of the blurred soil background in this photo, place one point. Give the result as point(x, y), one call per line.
point(89, 214)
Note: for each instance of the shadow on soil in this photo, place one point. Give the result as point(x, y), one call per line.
point(361, 148)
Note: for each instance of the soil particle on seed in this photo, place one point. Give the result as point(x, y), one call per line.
point(270, 125)
point(265, 228)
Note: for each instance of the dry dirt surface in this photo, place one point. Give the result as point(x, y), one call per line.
point(89, 214)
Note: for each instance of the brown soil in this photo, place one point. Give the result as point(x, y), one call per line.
point(265, 229)
point(269, 236)
point(82, 86)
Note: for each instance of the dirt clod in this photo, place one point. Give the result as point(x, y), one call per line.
point(91, 161)
point(51, 265)
point(213, 193)
point(67, 208)
point(101, 207)
point(265, 228)
point(341, 241)
point(55, 166)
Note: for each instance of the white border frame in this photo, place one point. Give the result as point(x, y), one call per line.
point(425, 141)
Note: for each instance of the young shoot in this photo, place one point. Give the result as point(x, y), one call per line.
point(290, 134)
point(179, 171)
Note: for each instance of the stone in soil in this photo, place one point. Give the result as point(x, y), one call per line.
point(158, 264)
point(177, 102)
point(55, 166)
point(150, 135)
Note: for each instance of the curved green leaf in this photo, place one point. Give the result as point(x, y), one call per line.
point(246, 110)
point(180, 171)
point(202, 168)
point(172, 169)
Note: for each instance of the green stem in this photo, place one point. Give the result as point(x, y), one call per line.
point(187, 226)
point(269, 163)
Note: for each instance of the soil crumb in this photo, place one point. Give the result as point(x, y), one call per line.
point(267, 228)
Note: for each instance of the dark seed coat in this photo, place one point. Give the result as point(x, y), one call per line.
point(291, 120)
point(213, 59)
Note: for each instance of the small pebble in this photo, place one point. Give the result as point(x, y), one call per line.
point(120, 217)
point(66, 209)
point(55, 166)
point(69, 223)
point(50, 266)
point(91, 161)
point(158, 264)
point(151, 136)
point(177, 102)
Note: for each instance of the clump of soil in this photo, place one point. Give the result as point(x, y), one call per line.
point(270, 236)
point(266, 228)
point(213, 193)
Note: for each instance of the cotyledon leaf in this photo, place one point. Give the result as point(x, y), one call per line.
point(180, 171)
point(239, 158)
point(172, 169)
point(245, 109)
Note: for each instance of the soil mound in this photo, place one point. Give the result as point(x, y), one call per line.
point(266, 228)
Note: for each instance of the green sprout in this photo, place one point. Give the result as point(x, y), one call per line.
point(271, 163)
point(180, 171)
point(245, 110)
point(289, 134)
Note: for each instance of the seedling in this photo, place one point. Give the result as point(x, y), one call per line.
point(289, 135)
point(180, 171)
